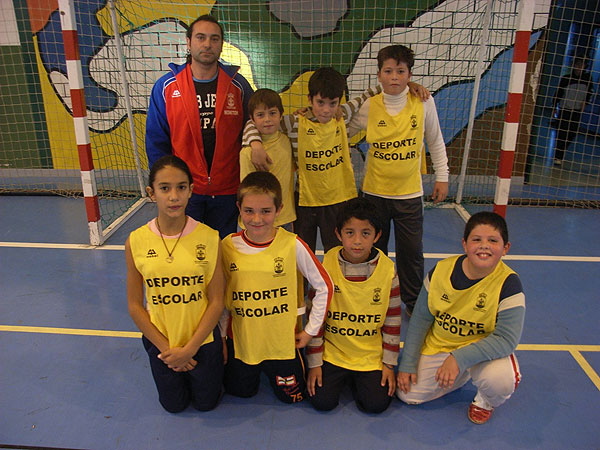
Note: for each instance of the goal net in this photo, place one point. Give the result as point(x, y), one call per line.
point(463, 48)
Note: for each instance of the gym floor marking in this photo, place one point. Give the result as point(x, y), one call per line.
point(574, 350)
point(318, 252)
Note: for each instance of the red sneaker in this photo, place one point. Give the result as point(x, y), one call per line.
point(479, 415)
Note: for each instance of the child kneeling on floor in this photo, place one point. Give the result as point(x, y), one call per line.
point(466, 324)
point(359, 343)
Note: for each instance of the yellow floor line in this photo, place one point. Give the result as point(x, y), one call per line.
point(72, 331)
point(591, 373)
point(574, 350)
point(137, 334)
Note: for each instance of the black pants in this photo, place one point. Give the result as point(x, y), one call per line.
point(217, 211)
point(286, 377)
point(201, 386)
point(407, 216)
point(309, 218)
point(568, 124)
point(366, 387)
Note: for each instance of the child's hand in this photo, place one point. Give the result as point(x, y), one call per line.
point(387, 377)
point(440, 191)
point(447, 372)
point(301, 111)
point(339, 113)
point(418, 90)
point(259, 156)
point(178, 358)
point(302, 339)
point(404, 380)
point(315, 375)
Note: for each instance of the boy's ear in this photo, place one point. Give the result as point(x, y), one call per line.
point(506, 248)
point(239, 207)
point(377, 236)
point(464, 244)
point(150, 192)
point(191, 190)
point(338, 235)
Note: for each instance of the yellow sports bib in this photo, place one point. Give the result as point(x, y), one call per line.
point(356, 315)
point(462, 316)
point(325, 174)
point(261, 295)
point(394, 159)
point(176, 291)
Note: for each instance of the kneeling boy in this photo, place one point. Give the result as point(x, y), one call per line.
point(360, 339)
point(466, 324)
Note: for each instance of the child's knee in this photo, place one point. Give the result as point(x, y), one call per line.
point(323, 404)
point(409, 398)
point(374, 406)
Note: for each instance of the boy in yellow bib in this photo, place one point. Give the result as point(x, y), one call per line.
point(261, 264)
point(466, 324)
point(265, 110)
point(398, 126)
point(360, 340)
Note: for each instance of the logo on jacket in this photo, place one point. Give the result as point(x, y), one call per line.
point(445, 298)
point(230, 107)
point(233, 267)
point(200, 252)
point(480, 303)
point(151, 254)
point(176, 93)
point(376, 296)
point(310, 132)
point(381, 123)
point(278, 265)
point(413, 121)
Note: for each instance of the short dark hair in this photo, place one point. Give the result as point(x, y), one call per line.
point(492, 219)
point(260, 183)
point(168, 161)
point(204, 18)
point(266, 97)
point(358, 208)
point(397, 52)
point(327, 82)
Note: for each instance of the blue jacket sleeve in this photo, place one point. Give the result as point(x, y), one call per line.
point(158, 135)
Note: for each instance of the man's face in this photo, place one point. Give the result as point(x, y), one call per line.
point(205, 44)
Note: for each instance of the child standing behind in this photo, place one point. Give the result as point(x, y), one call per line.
point(466, 324)
point(361, 337)
point(398, 125)
point(321, 153)
point(261, 264)
point(265, 110)
point(177, 261)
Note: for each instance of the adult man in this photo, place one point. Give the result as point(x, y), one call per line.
point(197, 112)
point(574, 91)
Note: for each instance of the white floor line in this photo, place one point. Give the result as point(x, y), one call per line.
point(560, 258)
